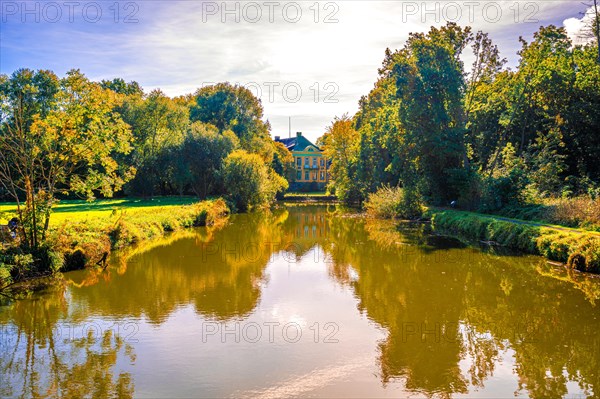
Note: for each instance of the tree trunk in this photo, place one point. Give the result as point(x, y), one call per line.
point(30, 206)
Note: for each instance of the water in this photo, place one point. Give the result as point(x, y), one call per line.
point(305, 301)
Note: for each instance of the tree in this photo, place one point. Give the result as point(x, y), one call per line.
point(118, 85)
point(159, 126)
point(203, 152)
point(339, 144)
point(283, 162)
point(430, 83)
point(58, 136)
point(231, 107)
point(547, 161)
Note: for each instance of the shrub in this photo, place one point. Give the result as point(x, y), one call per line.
point(249, 182)
point(592, 257)
point(15, 265)
point(394, 202)
point(583, 212)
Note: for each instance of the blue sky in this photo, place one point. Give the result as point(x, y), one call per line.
point(307, 60)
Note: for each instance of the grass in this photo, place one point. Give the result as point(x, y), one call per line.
point(75, 210)
point(579, 249)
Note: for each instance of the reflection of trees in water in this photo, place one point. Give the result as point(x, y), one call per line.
point(450, 308)
point(220, 273)
point(39, 362)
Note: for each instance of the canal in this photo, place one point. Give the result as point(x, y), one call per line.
point(307, 301)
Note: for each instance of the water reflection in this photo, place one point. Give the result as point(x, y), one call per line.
point(43, 357)
point(451, 312)
point(457, 321)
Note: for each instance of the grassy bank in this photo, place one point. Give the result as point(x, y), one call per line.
point(579, 212)
point(579, 249)
point(83, 234)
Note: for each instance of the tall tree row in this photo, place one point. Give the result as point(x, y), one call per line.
point(485, 136)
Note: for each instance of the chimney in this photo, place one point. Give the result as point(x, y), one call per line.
point(277, 138)
point(298, 134)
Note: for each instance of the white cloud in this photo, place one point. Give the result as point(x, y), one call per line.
point(178, 47)
point(578, 27)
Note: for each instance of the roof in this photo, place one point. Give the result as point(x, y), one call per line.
point(298, 143)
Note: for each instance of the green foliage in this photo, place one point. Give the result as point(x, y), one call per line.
point(490, 138)
point(5, 277)
point(430, 82)
point(231, 107)
point(16, 264)
point(394, 202)
point(201, 157)
point(249, 182)
point(159, 128)
point(58, 135)
point(580, 212)
point(547, 163)
point(340, 144)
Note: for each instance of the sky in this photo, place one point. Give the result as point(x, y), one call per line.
point(306, 60)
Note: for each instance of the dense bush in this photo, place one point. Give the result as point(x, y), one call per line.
point(16, 264)
point(249, 182)
point(394, 202)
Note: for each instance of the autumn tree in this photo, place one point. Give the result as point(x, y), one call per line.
point(57, 136)
point(339, 144)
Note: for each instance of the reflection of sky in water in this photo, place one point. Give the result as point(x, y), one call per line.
point(304, 303)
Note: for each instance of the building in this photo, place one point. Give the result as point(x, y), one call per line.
point(312, 168)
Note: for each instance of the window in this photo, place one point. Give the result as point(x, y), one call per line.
point(314, 162)
point(299, 162)
point(322, 176)
point(299, 175)
point(322, 162)
point(306, 161)
point(307, 175)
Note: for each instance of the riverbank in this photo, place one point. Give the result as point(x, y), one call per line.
point(578, 249)
point(87, 237)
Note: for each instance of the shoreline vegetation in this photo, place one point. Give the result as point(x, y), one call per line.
point(578, 248)
point(518, 142)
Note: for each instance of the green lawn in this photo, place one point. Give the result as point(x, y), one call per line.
point(79, 210)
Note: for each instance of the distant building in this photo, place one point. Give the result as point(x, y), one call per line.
point(312, 168)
